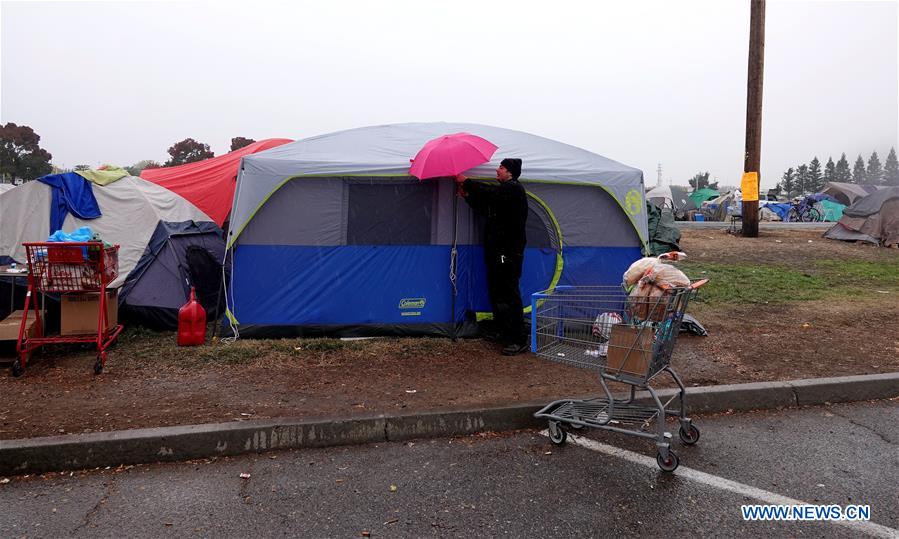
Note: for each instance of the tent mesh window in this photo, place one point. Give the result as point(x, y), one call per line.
point(539, 228)
point(390, 213)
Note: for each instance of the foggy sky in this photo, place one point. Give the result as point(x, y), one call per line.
point(639, 82)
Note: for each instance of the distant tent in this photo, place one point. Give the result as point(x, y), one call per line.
point(153, 227)
point(660, 197)
point(701, 195)
point(847, 193)
point(873, 219)
point(209, 184)
point(673, 197)
point(721, 206)
point(682, 202)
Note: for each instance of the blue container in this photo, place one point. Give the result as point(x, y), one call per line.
point(699, 217)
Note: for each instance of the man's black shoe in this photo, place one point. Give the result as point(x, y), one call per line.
point(514, 349)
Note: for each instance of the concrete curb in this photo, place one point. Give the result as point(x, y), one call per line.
point(70, 452)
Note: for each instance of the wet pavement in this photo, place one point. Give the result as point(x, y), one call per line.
point(510, 484)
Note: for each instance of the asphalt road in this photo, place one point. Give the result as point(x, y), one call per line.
point(513, 484)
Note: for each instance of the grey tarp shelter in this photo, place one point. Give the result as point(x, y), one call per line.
point(873, 219)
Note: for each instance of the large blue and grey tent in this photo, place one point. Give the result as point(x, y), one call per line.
point(166, 243)
point(331, 236)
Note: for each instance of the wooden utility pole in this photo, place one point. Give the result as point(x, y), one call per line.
point(754, 112)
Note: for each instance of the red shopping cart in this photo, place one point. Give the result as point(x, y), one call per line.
point(68, 268)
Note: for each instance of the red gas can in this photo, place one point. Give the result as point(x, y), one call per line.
point(192, 322)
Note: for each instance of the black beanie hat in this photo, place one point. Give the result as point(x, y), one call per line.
point(513, 165)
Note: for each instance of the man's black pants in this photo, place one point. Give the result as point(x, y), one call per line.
point(503, 274)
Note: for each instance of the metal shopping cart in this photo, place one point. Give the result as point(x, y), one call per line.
point(68, 268)
point(627, 340)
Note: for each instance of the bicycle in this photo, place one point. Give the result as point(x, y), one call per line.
point(804, 212)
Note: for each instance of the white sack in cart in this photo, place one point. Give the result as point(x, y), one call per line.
point(665, 275)
point(639, 268)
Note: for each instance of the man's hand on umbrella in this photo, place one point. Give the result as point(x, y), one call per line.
point(460, 190)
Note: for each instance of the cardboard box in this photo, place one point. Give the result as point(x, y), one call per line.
point(9, 327)
point(79, 313)
point(630, 350)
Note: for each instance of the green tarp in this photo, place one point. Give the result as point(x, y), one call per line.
point(103, 176)
point(833, 211)
point(664, 236)
point(700, 196)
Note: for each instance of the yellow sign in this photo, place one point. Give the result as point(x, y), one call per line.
point(750, 186)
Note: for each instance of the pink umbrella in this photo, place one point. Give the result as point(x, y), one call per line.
point(450, 155)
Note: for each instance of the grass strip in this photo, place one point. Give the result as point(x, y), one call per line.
point(754, 283)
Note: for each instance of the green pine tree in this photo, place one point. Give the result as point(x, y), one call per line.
point(842, 173)
point(858, 171)
point(787, 183)
point(891, 169)
point(815, 179)
point(699, 181)
point(874, 173)
point(830, 170)
point(802, 179)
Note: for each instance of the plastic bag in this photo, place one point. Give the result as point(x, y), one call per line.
point(82, 234)
point(638, 269)
point(602, 326)
point(665, 276)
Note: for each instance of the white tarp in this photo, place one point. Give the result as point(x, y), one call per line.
point(131, 208)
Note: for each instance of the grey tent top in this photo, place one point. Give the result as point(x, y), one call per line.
point(872, 203)
point(386, 150)
point(847, 193)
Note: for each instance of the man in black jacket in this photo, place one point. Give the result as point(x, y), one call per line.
point(505, 207)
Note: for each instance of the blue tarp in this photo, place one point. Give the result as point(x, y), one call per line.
point(782, 210)
point(818, 197)
point(71, 194)
point(79, 235)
